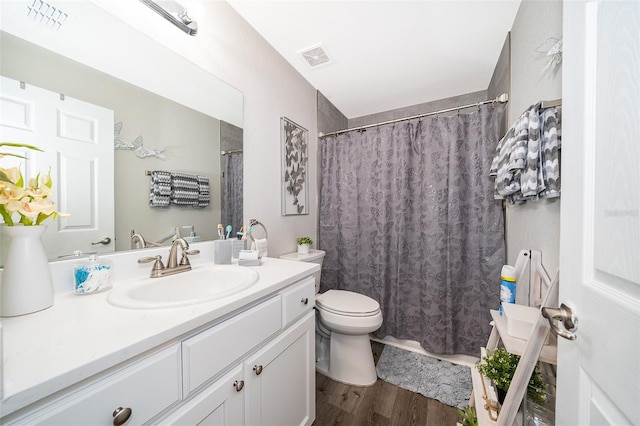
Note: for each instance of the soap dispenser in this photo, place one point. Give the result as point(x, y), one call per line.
point(192, 238)
point(93, 275)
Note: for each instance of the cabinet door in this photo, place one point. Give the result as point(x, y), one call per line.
point(280, 378)
point(221, 346)
point(220, 404)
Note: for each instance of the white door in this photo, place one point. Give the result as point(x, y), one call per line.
point(599, 372)
point(77, 140)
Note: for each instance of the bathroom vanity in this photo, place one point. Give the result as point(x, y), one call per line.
point(247, 358)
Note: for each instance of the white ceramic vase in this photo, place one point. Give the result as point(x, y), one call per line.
point(303, 248)
point(26, 284)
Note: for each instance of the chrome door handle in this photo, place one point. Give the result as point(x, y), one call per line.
point(566, 316)
point(104, 240)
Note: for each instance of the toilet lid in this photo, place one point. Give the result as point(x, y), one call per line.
point(347, 303)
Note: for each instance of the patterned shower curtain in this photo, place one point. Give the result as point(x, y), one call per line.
point(408, 217)
point(232, 184)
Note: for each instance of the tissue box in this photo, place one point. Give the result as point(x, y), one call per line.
point(520, 320)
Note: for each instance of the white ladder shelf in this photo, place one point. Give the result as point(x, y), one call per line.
point(530, 350)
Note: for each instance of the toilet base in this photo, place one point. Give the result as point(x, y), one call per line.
point(350, 360)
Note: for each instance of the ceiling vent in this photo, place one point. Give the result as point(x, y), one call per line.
point(316, 55)
point(46, 14)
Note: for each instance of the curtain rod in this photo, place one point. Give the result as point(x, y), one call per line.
point(235, 151)
point(501, 99)
point(551, 104)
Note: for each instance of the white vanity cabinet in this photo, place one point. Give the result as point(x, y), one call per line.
point(207, 375)
point(211, 351)
point(272, 385)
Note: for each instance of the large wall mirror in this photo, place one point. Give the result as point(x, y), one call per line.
point(184, 119)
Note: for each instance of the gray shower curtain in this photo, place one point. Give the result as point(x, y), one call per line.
point(232, 184)
point(407, 217)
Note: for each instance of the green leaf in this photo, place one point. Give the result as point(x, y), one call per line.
point(20, 145)
point(41, 217)
point(4, 177)
point(25, 220)
point(5, 215)
point(8, 154)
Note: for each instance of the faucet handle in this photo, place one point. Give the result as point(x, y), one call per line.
point(185, 260)
point(157, 266)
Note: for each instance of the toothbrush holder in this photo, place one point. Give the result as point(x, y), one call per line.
point(222, 250)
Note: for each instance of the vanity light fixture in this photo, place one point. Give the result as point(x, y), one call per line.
point(174, 13)
point(46, 14)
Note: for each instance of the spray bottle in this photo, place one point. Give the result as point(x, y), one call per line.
point(507, 285)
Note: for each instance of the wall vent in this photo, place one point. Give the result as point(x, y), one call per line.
point(46, 14)
point(316, 55)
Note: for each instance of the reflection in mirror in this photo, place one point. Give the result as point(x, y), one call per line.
point(191, 142)
point(232, 169)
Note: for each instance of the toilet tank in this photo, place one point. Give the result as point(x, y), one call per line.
point(314, 256)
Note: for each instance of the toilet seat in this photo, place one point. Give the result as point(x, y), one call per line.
point(347, 303)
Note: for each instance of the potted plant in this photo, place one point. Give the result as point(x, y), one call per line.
point(500, 366)
point(303, 244)
point(468, 416)
point(24, 206)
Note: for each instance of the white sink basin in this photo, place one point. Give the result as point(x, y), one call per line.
point(204, 283)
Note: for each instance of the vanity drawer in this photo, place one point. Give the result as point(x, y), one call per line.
point(297, 300)
point(208, 353)
point(146, 387)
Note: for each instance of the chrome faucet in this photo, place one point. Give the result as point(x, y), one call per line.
point(173, 267)
point(137, 240)
point(173, 254)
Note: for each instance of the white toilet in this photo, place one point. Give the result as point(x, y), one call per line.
point(344, 320)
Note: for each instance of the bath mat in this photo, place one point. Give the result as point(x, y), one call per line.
point(448, 383)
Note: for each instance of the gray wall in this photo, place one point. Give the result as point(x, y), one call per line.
point(330, 119)
point(533, 225)
point(230, 137)
point(423, 108)
point(501, 81)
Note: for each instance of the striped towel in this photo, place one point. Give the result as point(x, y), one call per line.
point(203, 191)
point(160, 190)
point(526, 166)
point(184, 189)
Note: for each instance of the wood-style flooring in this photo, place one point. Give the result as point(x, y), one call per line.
point(380, 404)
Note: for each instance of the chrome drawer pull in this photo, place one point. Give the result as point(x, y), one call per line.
point(121, 415)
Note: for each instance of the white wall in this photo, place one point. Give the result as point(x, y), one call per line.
point(233, 51)
point(272, 88)
point(533, 225)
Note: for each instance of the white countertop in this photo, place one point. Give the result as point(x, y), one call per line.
point(80, 336)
